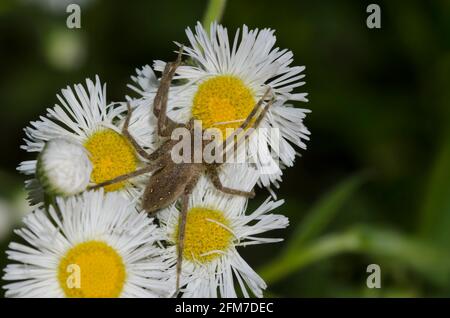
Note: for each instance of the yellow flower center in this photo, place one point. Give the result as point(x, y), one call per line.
point(223, 102)
point(112, 155)
point(92, 269)
point(206, 236)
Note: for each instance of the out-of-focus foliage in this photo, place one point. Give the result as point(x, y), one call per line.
point(374, 184)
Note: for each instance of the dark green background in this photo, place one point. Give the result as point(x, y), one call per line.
point(374, 184)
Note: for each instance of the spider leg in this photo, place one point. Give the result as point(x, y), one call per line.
point(182, 226)
point(181, 234)
point(165, 124)
point(255, 109)
point(214, 175)
point(149, 168)
point(248, 120)
point(163, 150)
point(263, 112)
point(141, 151)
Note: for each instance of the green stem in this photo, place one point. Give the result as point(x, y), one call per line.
point(213, 12)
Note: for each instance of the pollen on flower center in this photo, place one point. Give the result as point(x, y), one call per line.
point(222, 102)
point(111, 155)
point(92, 269)
point(206, 235)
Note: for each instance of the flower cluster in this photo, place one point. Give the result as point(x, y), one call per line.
point(86, 242)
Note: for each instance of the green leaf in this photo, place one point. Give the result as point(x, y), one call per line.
point(316, 220)
point(430, 261)
point(292, 261)
point(324, 211)
point(434, 218)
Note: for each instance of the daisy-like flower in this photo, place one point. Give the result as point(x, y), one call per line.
point(216, 227)
point(84, 117)
point(95, 246)
point(223, 82)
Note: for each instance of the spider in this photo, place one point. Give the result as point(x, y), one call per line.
point(172, 181)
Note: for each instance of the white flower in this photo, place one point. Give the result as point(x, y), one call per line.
point(224, 83)
point(63, 167)
point(96, 245)
point(85, 117)
point(216, 226)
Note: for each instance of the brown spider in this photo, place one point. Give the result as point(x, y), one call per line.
point(171, 181)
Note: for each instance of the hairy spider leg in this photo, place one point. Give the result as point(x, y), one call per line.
point(182, 227)
point(165, 124)
point(215, 178)
point(151, 167)
point(141, 151)
point(181, 234)
point(247, 122)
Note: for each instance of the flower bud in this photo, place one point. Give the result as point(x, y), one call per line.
point(63, 167)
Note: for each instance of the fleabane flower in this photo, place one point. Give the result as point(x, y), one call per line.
point(84, 117)
point(217, 226)
point(222, 83)
point(63, 167)
point(93, 245)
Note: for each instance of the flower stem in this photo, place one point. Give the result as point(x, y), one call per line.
point(213, 12)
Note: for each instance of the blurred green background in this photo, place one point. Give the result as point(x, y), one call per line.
point(374, 184)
